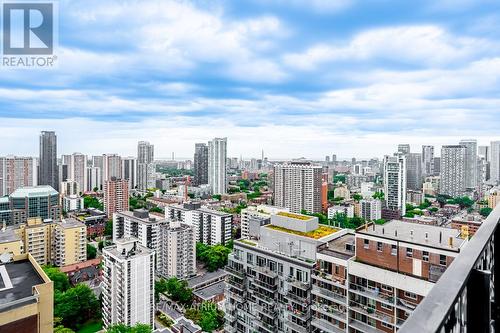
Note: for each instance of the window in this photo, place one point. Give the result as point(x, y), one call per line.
point(336, 269)
point(385, 306)
point(249, 258)
point(379, 246)
point(410, 295)
point(385, 325)
point(442, 259)
point(366, 243)
point(425, 256)
point(409, 252)
point(386, 287)
point(394, 250)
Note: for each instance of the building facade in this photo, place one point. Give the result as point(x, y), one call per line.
point(116, 196)
point(145, 165)
point(217, 165)
point(395, 184)
point(48, 160)
point(470, 163)
point(16, 172)
point(452, 181)
point(200, 164)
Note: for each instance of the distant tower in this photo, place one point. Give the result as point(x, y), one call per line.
point(48, 160)
point(217, 176)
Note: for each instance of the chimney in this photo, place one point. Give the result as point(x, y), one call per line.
point(396, 233)
point(440, 237)
point(383, 231)
point(411, 233)
point(426, 236)
point(450, 241)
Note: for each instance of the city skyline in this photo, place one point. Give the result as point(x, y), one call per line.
point(338, 73)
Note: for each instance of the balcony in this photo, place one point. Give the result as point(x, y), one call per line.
point(466, 297)
point(330, 312)
point(362, 327)
point(327, 278)
point(325, 293)
point(371, 312)
point(372, 293)
point(234, 271)
point(293, 327)
point(326, 326)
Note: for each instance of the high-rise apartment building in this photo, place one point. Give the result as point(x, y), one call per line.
point(98, 162)
point(94, 176)
point(414, 179)
point(371, 209)
point(495, 161)
point(48, 174)
point(16, 172)
point(78, 170)
point(217, 165)
point(427, 160)
point(394, 186)
point(128, 284)
point(404, 149)
point(297, 186)
point(210, 226)
point(174, 242)
point(452, 181)
point(471, 163)
point(145, 165)
point(116, 196)
point(129, 171)
point(57, 243)
point(200, 164)
point(69, 187)
point(111, 167)
point(437, 166)
point(484, 152)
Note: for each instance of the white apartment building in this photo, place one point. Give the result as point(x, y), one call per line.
point(77, 170)
point(297, 186)
point(470, 163)
point(210, 226)
point(395, 183)
point(128, 284)
point(94, 176)
point(129, 171)
point(217, 168)
point(72, 203)
point(174, 244)
point(145, 165)
point(253, 217)
point(495, 161)
point(453, 176)
point(70, 187)
point(111, 167)
point(348, 210)
point(371, 210)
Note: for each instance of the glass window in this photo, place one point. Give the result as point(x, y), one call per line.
point(425, 256)
point(409, 252)
point(379, 246)
point(366, 243)
point(442, 259)
point(394, 250)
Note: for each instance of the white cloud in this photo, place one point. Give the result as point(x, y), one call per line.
point(417, 45)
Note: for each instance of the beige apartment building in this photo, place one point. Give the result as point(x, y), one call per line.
point(59, 243)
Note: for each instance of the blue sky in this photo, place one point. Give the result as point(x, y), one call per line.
point(292, 77)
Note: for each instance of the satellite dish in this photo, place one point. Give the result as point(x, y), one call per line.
point(5, 258)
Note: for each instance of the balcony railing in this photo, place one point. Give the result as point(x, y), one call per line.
point(465, 298)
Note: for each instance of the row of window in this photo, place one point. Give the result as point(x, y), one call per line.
point(409, 251)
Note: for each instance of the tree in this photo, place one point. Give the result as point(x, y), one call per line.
point(379, 195)
point(357, 196)
point(207, 315)
point(464, 202)
point(217, 196)
point(485, 211)
point(91, 252)
point(61, 281)
point(174, 288)
point(339, 178)
point(76, 305)
point(122, 328)
point(59, 328)
point(214, 257)
point(156, 209)
point(92, 202)
point(108, 228)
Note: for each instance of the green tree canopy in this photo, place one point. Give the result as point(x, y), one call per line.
point(91, 252)
point(214, 257)
point(174, 288)
point(76, 305)
point(121, 328)
point(61, 281)
point(485, 211)
point(108, 228)
point(92, 202)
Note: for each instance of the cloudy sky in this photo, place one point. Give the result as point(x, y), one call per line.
point(293, 77)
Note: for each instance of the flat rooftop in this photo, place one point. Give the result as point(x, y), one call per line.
point(8, 235)
point(294, 216)
point(211, 291)
point(208, 276)
point(16, 282)
point(416, 233)
point(212, 211)
point(143, 219)
point(337, 247)
point(69, 223)
point(34, 191)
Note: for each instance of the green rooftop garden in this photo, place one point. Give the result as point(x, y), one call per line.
point(318, 233)
point(294, 216)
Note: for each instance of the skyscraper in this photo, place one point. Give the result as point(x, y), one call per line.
point(404, 149)
point(129, 171)
point(48, 174)
point(414, 179)
point(78, 170)
point(200, 164)
point(495, 161)
point(395, 185)
point(16, 172)
point(217, 165)
point(484, 152)
point(427, 160)
point(453, 170)
point(297, 186)
point(128, 292)
point(145, 165)
point(111, 167)
point(115, 196)
point(471, 164)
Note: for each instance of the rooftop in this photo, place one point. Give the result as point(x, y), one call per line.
point(211, 291)
point(213, 212)
point(426, 235)
point(34, 191)
point(202, 279)
point(337, 247)
point(8, 235)
point(16, 282)
point(141, 215)
point(320, 232)
point(296, 216)
point(69, 223)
